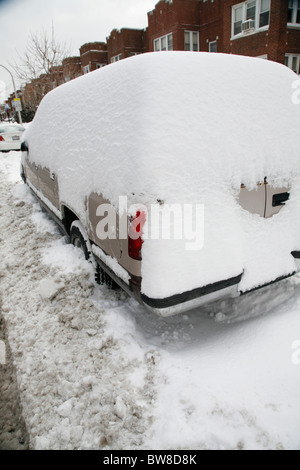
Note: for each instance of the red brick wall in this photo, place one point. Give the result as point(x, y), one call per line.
point(95, 46)
point(93, 53)
point(161, 21)
point(277, 37)
point(252, 45)
point(127, 42)
point(71, 68)
point(175, 17)
point(211, 19)
point(275, 42)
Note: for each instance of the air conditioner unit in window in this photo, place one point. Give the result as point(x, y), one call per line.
point(248, 26)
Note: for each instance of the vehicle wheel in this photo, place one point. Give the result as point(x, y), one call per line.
point(101, 277)
point(79, 238)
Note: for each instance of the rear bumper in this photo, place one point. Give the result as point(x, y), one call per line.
point(180, 303)
point(189, 300)
point(231, 291)
point(10, 145)
point(222, 293)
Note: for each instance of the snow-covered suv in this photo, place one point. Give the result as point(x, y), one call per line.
point(178, 172)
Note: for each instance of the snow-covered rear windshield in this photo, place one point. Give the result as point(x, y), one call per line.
point(11, 128)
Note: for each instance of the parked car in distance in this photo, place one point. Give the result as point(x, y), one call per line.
point(10, 136)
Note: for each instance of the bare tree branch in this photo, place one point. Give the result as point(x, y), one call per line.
point(40, 56)
point(38, 66)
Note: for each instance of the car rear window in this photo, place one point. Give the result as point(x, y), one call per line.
point(10, 129)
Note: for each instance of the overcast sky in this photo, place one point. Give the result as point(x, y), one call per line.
point(75, 23)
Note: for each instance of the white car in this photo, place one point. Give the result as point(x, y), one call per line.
point(10, 136)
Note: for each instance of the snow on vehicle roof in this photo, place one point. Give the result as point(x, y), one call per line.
point(181, 127)
point(157, 119)
point(13, 126)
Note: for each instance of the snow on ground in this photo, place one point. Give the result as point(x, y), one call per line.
point(96, 371)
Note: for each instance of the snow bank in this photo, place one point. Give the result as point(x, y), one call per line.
point(95, 372)
point(182, 128)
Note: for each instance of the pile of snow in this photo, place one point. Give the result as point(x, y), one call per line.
point(97, 371)
point(182, 128)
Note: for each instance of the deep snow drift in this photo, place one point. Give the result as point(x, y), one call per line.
point(96, 371)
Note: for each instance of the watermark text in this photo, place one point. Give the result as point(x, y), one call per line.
point(158, 221)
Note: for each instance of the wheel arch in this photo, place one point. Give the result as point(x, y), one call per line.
point(68, 217)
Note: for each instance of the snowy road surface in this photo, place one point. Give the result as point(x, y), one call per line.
point(96, 371)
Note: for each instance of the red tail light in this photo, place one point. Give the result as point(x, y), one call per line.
point(135, 241)
point(1, 138)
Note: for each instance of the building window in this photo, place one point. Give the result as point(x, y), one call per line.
point(237, 18)
point(293, 62)
point(165, 43)
point(212, 46)
point(86, 69)
point(264, 14)
point(251, 10)
point(99, 66)
point(116, 58)
point(191, 41)
point(294, 12)
point(250, 16)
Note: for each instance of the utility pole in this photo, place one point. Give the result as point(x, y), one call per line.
point(15, 91)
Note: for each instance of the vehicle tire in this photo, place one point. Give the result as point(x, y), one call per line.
point(102, 278)
point(79, 238)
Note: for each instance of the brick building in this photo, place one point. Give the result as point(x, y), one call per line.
point(211, 31)
point(174, 25)
point(93, 55)
point(259, 28)
point(126, 43)
point(71, 67)
point(263, 28)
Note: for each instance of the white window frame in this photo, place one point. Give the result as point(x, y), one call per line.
point(210, 46)
point(243, 5)
point(296, 5)
point(191, 40)
point(86, 69)
point(289, 61)
point(159, 42)
point(99, 66)
point(116, 58)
